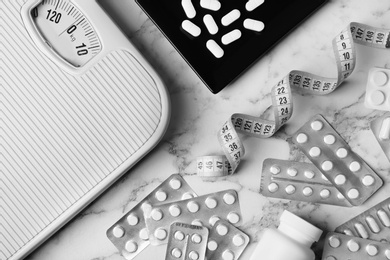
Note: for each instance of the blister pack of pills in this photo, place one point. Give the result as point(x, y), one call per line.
point(328, 151)
point(129, 234)
point(186, 242)
point(298, 181)
point(220, 39)
point(373, 223)
point(226, 242)
point(378, 89)
point(203, 210)
point(380, 127)
point(341, 247)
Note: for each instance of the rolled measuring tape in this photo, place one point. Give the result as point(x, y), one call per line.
point(282, 105)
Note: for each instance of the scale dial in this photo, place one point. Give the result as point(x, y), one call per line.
point(67, 31)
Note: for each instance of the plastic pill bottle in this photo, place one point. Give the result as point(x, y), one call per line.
point(290, 241)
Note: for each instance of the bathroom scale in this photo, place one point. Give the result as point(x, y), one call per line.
point(220, 39)
point(79, 106)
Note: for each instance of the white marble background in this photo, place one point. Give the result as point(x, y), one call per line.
point(197, 115)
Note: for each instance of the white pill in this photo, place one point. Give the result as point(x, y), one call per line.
point(193, 255)
point(230, 17)
point(253, 25)
point(187, 195)
point(368, 180)
point(192, 206)
point(307, 191)
point(212, 245)
point(273, 187)
point(387, 253)
point(238, 240)
point(197, 222)
point(161, 195)
point(188, 8)
point(176, 252)
point(384, 218)
point(175, 184)
point(222, 229)
point(353, 193)
point(233, 217)
point(377, 97)
point(380, 78)
point(302, 138)
point(179, 235)
point(334, 242)
point(372, 250)
point(355, 166)
point(160, 234)
point(329, 139)
point(324, 177)
point(325, 193)
point(361, 230)
point(212, 5)
point(228, 255)
point(231, 37)
point(290, 189)
point(144, 234)
point(118, 231)
point(213, 220)
point(342, 153)
point(384, 133)
point(340, 196)
point(340, 179)
point(327, 166)
point(210, 23)
point(314, 151)
point(191, 28)
point(274, 169)
point(316, 125)
point(131, 246)
point(253, 4)
point(353, 246)
point(214, 48)
point(157, 214)
point(292, 172)
point(211, 203)
point(229, 198)
point(174, 210)
point(372, 224)
point(132, 220)
point(196, 238)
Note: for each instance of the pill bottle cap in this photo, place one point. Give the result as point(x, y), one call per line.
point(298, 229)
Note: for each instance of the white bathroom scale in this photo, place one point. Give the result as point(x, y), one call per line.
point(79, 106)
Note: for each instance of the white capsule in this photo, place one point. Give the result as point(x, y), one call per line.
point(253, 25)
point(212, 5)
point(231, 36)
point(384, 133)
point(188, 8)
point(210, 23)
point(214, 48)
point(253, 4)
point(230, 17)
point(191, 28)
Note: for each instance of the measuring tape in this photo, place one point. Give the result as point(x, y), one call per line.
point(282, 105)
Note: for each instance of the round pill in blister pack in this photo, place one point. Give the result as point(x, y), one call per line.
point(204, 210)
point(325, 148)
point(298, 181)
point(226, 242)
point(339, 247)
point(129, 234)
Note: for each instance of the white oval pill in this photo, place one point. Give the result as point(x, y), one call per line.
point(160, 234)
point(387, 253)
point(348, 232)
point(380, 78)
point(131, 246)
point(222, 229)
point(377, 97)
point(174, 210)
point(384, 133)
point(176, 252)
point(193, 255)
point(253, 4)
point(157, 214)
point(355, 166)
point(118, 231)
point(372, 224)
point(212, 5)
point(292, 172)
point(179, 235)
point(132, 220)
point(210, 23)
point(231, 37)
point(238, 240)
point(273, 187)
point(327, 166)
point(307, 191)
point(340, 179)
point(290, 189)
point(329, 139)
point(334, 242)
point(316, 125)
point(230, 17)
point(253, 25)
point(353, 246)
point(361, 230)
point(315, 151)
point(384, 218)
point(175, 184)
point(342, 153)
point(274, 169)
point(372, 249)
point(161, 195)
point(302, 138)
point(228, 255)
point(214, 48)
point(196, 238)
point(191, 28)
point(353, 193)
point(368, 180)
point(229, 198)
point(233, 217)
point(144, 234)
point(212, 245)
point(188, 8)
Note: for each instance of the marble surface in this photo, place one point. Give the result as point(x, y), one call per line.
point(197, 115)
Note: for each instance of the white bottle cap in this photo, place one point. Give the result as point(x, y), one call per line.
point(298, 228)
